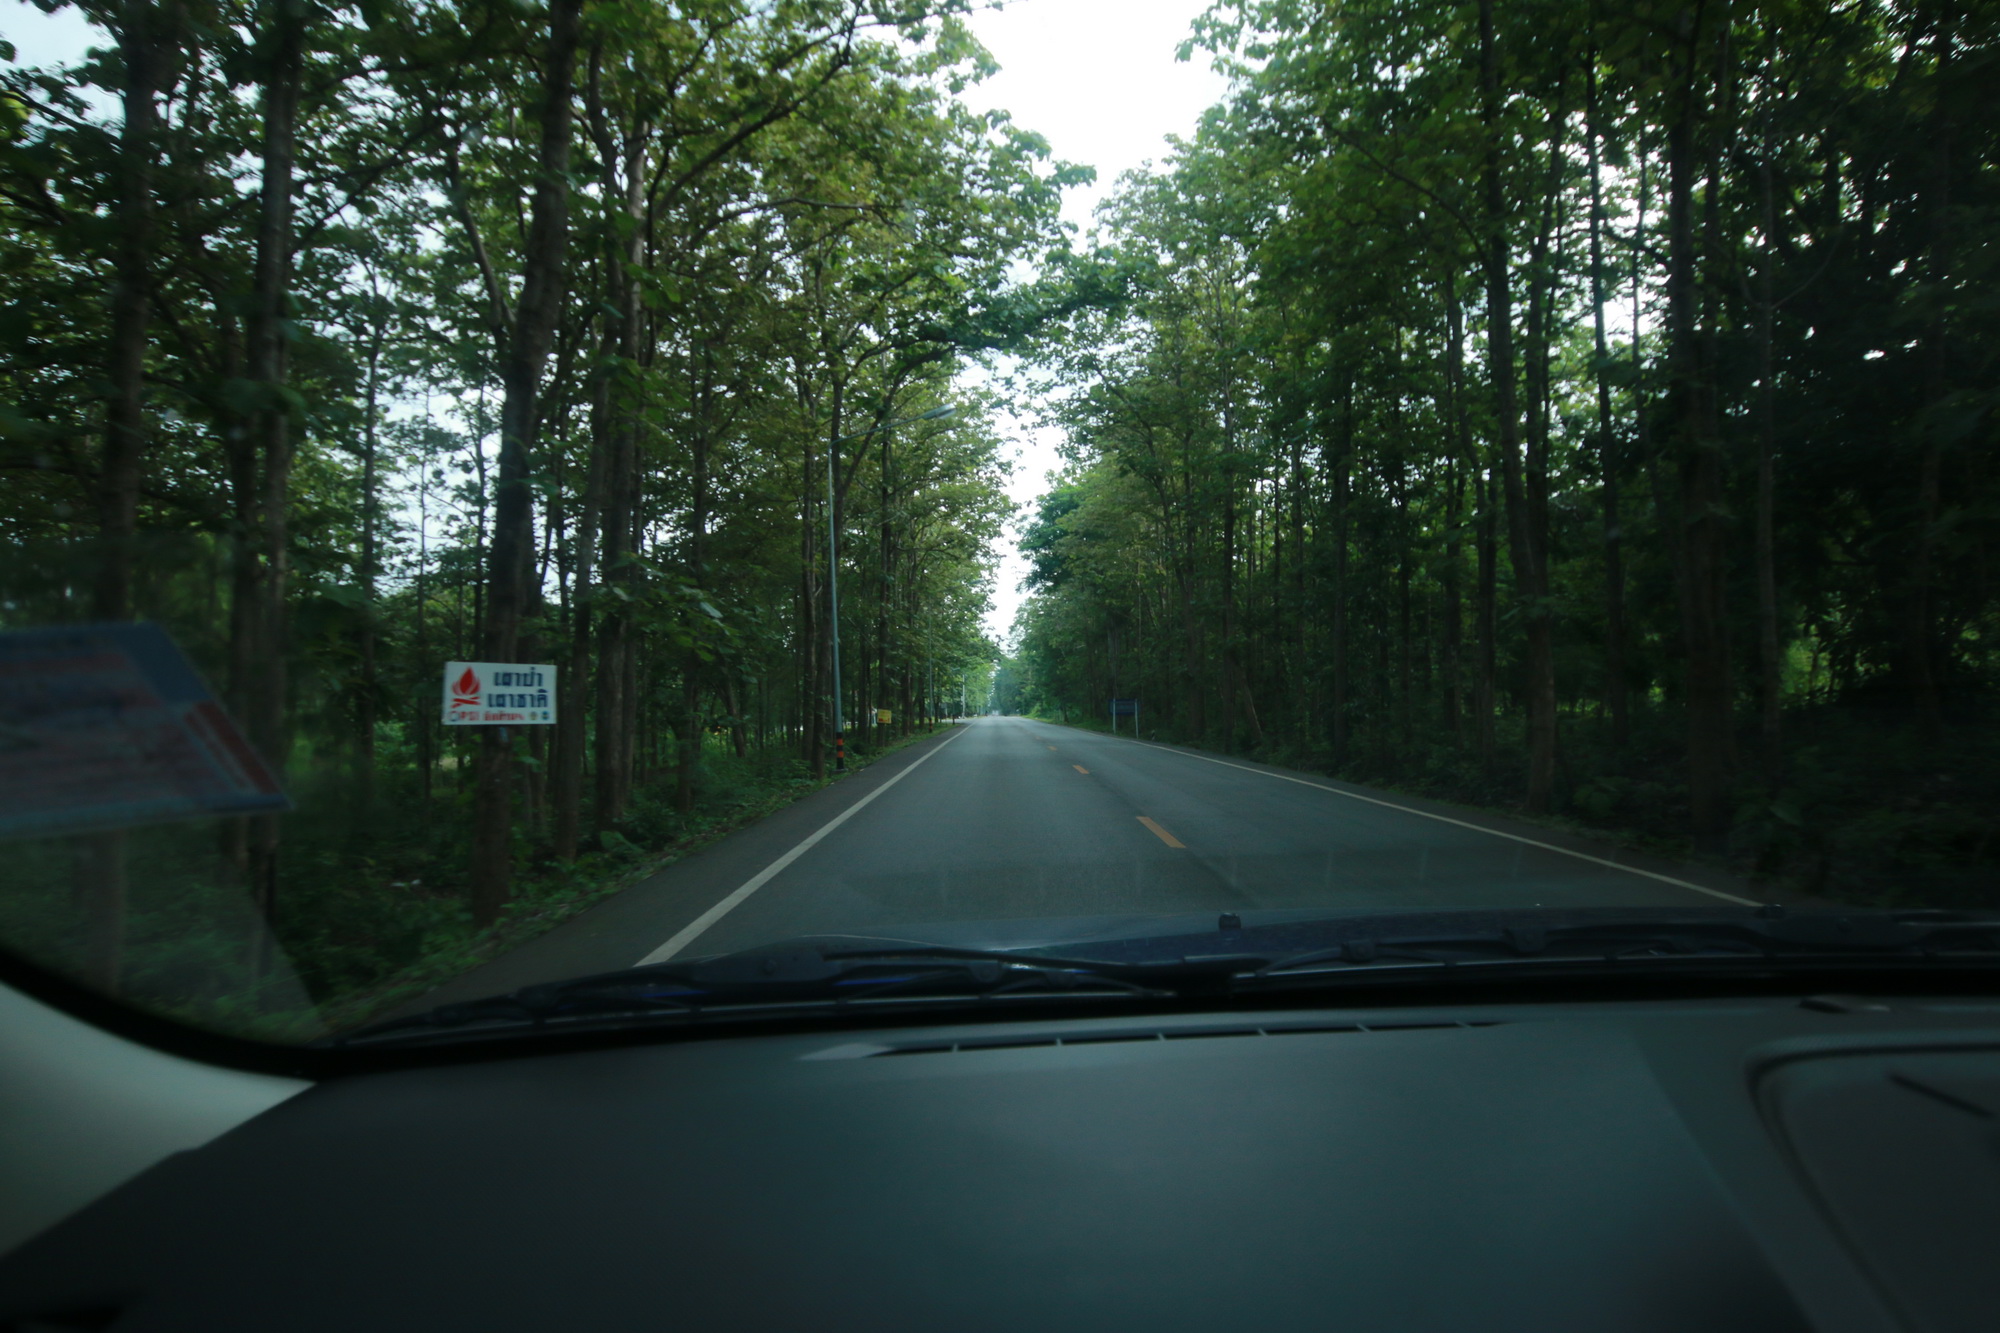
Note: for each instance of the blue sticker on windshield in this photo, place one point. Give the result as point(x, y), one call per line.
point(108, 726)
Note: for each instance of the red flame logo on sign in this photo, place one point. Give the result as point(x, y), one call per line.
point(465, 690)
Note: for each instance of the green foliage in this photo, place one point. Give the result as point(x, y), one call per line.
point(782, 236)
point(1292, 509)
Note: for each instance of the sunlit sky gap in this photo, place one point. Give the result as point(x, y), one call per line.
point(1099, 80)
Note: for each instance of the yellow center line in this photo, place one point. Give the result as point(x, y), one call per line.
point(1052, 747)
point(1165, 836)
point(1081, 769)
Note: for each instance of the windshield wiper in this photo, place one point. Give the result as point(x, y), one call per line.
point(848, 973)
point(806, 976)
point(1771, 935)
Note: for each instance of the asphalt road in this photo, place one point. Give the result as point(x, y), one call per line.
point(1004, 818)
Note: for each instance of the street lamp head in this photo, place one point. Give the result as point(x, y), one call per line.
point(934, 414)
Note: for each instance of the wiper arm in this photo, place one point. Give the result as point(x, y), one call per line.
point(809, 976)
point(1772, 935)
point(840, 970)
point(513, 1010)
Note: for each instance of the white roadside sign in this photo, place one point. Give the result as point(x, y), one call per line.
point(499, 694)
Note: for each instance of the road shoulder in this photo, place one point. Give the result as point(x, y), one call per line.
point(618, 931)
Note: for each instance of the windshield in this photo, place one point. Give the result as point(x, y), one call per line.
point(498, 494)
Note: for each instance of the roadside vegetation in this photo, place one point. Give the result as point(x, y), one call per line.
point(370, 925)
point(1580, 408)
point(344, 340)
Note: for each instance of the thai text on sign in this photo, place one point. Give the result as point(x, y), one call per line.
point(499, 694)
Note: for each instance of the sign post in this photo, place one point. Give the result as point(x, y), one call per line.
point(1125, 708)
point(499, 694)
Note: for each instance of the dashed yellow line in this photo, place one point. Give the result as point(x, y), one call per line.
point(1164, 836)
point(1458, 823)
point(1052, 747)
point(1081, 769)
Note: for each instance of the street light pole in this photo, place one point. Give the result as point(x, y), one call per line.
point(833, 575)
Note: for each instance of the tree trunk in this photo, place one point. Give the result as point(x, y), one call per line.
point(524, 354)
point(1462, 457)
point(1486, 616)
point(733, 700)
point(1771, 682)
point(271, 426)
point(1525, 544)
point(1343, 467)
point(370, 573)
point(1197, 721)
point(144, 54)
point(1399, 496)
point(613, 740)
point(1292, 625)
point(885, 501)
point(619, 579)
point(1699, 454)
point(1615, 693)
point(838, 684)
point(811, 660)
point(689, 757)
point(1231, 682)
point(566, 780)
point(1919, 627)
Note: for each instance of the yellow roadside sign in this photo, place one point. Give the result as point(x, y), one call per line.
point(882, 716)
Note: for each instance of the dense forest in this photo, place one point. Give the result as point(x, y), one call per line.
point(346, 339)
point(1585, 406)
point(1580, 406)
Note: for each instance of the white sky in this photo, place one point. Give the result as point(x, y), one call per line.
point(1096, 78)
point(46, 39)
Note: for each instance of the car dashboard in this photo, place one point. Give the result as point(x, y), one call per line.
point(1725, 1163)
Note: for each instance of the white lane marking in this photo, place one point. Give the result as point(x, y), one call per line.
point(1460, 823)
point(690, 932)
